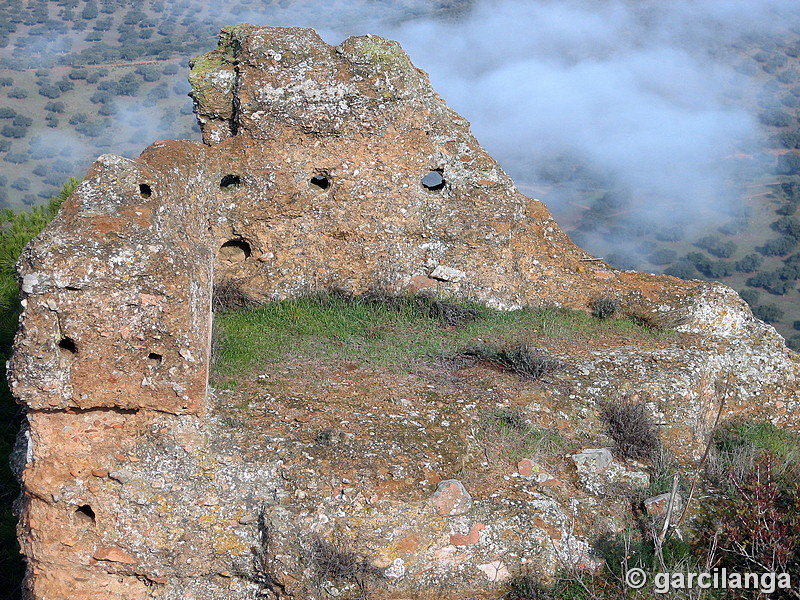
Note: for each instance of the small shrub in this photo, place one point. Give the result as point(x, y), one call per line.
point(755, 524)
point(522, 360)
point(324, 437)
point(229, 295)
point(526, 587)
point(635, 549)
point(338, 561)
point(633, 431)
point(604, 308)
point(264, 569)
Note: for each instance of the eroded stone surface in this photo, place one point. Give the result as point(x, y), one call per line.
point(138, 483)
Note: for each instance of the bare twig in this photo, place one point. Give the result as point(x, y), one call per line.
point(723, 400)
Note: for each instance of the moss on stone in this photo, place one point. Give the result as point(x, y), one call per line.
point(383, 53)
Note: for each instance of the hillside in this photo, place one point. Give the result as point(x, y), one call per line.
point(333, 352)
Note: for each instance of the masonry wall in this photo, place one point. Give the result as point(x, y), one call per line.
point(321, 167)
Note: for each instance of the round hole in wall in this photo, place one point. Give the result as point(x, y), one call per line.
point(230, 182)
point(234, 251)
point(145, 191)
point(433, 180)
point(68, 345)
point(85, 513)
point(320, 181)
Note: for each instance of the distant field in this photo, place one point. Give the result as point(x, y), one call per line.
point(79, 78)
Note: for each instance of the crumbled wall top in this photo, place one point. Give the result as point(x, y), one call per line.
point(321, 167)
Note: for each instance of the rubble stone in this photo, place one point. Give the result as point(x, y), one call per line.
point(451, 498)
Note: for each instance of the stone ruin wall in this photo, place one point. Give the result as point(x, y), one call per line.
point(309, 177)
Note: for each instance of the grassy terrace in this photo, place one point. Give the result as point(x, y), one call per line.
point(392, 332)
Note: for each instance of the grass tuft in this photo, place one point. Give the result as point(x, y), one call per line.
point(508, 433)
point(527, 587)
point(230, 295)
point(604, 308)
point(522, 360)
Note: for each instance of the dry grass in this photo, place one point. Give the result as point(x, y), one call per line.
point(633, 431)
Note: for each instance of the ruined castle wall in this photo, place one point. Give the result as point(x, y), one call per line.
point(318, 169)
point(116, 296)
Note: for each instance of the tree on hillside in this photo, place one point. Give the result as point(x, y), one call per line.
point(65, 85)
point(788, 164)
point(775, 118)
point(672, 233)
point(90, 11)
point(778, 246)
point(715, 246)
point(13, 131)
point(21, 183)
point(149, 73)
point(749, 263)
point(16, 158)
point(769, 313)
point(128, 85)
point(750, 296)
point(787, 226)
point(50, 91)
point(683, 269)
point(104, 24)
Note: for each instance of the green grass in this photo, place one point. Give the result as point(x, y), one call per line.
point(762, 437)
point(395, 333)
